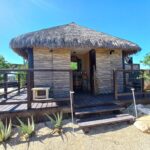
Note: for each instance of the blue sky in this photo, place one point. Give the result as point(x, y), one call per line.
point(129, 19)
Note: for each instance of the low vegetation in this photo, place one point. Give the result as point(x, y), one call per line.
point(26, 130)
point(57, 122)
point(5, 131)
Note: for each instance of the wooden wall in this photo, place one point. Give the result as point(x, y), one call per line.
point(58, 59)
point(105, 64)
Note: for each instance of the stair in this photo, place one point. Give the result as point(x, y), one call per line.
point(98, 103)
point(108, 119)
point(98, 109)
point(101, 115)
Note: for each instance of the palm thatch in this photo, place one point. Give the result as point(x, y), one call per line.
point(71, 36)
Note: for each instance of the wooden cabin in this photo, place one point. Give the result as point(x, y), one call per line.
point(95, 65)
point(95, 55)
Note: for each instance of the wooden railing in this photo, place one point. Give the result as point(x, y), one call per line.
point(6, 83)
point(29, 84)
point(124, 80)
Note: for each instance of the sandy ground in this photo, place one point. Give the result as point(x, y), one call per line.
point(112, 137)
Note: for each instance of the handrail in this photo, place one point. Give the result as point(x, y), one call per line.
point(131, 70)
point(32, 70)
point(115, 71)
point(30, 80)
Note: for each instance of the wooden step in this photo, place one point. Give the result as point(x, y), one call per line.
point(99, 103)
point(98, 109)
point(107, 119)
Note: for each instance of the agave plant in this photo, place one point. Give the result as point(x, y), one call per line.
point(26, 130)
point(5, 131)
point(57, 122)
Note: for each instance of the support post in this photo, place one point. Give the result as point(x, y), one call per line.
point(19, 84)
point(30, 77)
point(29, 90)
point(142, 83)
point(72, 98)
point(5, 85)
point(71, 86)
point(134, 102)
point(124, 73)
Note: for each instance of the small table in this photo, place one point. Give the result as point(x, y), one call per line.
point(40, 93)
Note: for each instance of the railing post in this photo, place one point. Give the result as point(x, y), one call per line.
point(72, 98)
point(71, 87)
point(142, 84)
point(19, 84)
point(134, 102)
point(5, 85)
point(29, 89)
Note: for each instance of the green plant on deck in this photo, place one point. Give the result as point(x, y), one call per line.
point(5, 131)
point(57, 122)
point(26, 130)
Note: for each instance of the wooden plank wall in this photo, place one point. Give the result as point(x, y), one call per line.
point(56, 59)
point(105, 63)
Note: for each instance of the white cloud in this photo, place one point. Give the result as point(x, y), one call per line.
point(47, 5)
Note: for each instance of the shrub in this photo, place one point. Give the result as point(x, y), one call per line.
point(5, 131)
point(57, 122)
point(26, 130)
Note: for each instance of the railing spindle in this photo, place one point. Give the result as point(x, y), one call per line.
point(5, 85)
point(19, 84)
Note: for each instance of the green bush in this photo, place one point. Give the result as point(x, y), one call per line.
point(57, 122)
point(26, 130)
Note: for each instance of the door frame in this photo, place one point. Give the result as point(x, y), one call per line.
point(92, 66)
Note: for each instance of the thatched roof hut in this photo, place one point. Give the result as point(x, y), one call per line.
point(70, 36)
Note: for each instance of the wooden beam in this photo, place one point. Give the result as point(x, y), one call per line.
point(2, 71)
point(19, 84)
point(142, 83)
point(34, 112)
point(5, 85)
point(124, 75)
point(30, 77)
point(29, 89)
point(30, 58)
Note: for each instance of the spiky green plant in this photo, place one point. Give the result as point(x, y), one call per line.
point(26, 130)
point(5, 131)
point(57, 122)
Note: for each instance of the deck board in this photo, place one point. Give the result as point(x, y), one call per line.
point(14, 97)
point(79, 101)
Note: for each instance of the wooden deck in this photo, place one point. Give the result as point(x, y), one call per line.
point(7, 110)
point(85, 100)
point(80, 101)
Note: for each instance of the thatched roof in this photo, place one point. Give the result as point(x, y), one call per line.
point(71, 36)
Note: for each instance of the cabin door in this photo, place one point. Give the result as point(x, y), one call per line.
point(92, 66)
